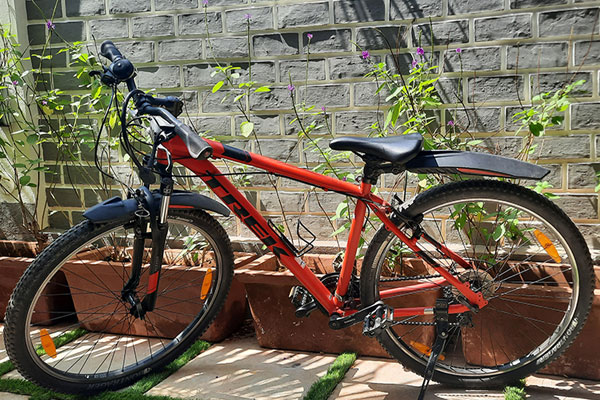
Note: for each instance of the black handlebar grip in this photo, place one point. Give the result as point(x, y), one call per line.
point(110, 51)
point(197, 147)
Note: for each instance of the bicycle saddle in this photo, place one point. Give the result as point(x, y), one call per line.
point(397, 149)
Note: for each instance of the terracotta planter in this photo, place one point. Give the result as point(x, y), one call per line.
point(277, 326)
point(176, 309)
point(510, 340)
point(11, 269)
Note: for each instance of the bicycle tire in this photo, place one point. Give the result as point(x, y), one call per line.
point(475, 371)
point(39, 366)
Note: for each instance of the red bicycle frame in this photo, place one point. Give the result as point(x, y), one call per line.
point(246, 212)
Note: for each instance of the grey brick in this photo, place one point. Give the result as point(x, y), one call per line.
point(551, 82)
point(402, 62)
point(276, 44)
point(286, 150)
point(584, 207)
point(349, 67)
point(581, 176)
point(534, 3)
point(66, 81)
point(260, 18)
point(226, 2)
point(508, 27)
point(294, 128)
point(353, 122)
point(127, 7)
point(77, 8)
point(513, 124)
point(105, 153)
point(164, 76)
point(358, 11)
point(278, 98)
point(264, 125)
point(93, 197)
point(326, 95)
point(365, 94)
point(495, 88)
point(585, 116)
point(214, 126)
point(296, 69)
point(138, 52)
point(505, 146)
point(195, 24)
point(59, 59)
point(109, 28)
point(402, 9)
point(169, 50)
point(317, 201)
point(216, 102)
point(582, 21)
point(53, 175)
point(382, 37)
point(69, 31)
point(482, 119)
point(227, 47)
point(303, 14)
point(473, 6)
point(590, 233)
point(44, 9)
point(160, 25)
point(330, 41)
point(163, 5)
point(36, 34)
point(59, 220)
point(562, 147)
point(81, 175)
point(542, 55)
point(472, 59)
point(449, 90)
point(58, 197)
point(189, 98)
point(293, 202)
point(443, 32)
point(199, 75)
point(587, 52)
point(263, 72)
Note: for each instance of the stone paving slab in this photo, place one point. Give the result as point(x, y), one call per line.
point(3, 356)
point(240, 369)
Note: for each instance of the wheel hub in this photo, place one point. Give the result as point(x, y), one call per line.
point(479, 281)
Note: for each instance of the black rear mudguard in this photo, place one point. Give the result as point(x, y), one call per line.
point(471, 163)
point(116, 209)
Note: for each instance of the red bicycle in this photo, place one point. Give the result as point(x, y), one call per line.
point(131, 287)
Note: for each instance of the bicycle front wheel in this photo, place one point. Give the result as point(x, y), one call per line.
point(70, 328)
point(529, 261)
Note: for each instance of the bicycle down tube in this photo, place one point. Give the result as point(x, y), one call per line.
point(250, 216)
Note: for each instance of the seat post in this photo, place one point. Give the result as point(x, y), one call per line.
point(371, 173)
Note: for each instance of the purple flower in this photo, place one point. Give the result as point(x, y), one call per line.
point(450, 123)
point(365, 55)
point(247, 16)
point(291, 87)
point(345, 178)
point(420, 51)
point(414, 63)
point(309, 36)
point(205, 2)
point(44, 103)
point(323, 109)
point(459, 50)
point(50, 25)
point(15, 83)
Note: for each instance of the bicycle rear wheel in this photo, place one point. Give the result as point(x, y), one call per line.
point(68, 327)
point(530, 263)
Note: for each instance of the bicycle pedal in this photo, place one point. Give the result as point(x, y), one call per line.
point(303, 301)
point(378, 320)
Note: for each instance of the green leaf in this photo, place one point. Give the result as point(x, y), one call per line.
point(499, 232)
point(536, 128)
point(262, 89)
point(557, 120)
point(32, 139)
point(24, 180)
point(246, 128)
point(217, 86)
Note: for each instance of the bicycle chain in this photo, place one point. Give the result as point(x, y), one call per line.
point(422, 323)
point(412, 278)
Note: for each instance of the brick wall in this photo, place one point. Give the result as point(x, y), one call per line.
point(511, 50)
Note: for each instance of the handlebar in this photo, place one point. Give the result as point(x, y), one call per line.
point(124, 71)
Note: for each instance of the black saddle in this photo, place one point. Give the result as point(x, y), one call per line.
point(397, 149)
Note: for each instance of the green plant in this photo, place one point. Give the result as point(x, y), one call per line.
point(321, 389)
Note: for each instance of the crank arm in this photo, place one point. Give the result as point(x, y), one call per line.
point(337, 322)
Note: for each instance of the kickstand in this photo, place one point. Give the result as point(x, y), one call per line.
point(441, 319)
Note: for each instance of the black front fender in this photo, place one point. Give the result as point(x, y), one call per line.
point(116, 208)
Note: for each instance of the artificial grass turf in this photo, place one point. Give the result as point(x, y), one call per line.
point(321, 389)
point(135, 392)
